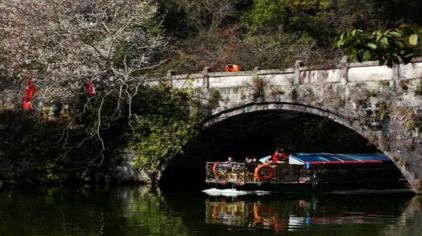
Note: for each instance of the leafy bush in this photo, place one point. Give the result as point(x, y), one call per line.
point(397, 45)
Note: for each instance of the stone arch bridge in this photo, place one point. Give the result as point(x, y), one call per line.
point(382, 104)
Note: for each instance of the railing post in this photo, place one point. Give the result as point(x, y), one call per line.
point(344, 70)
point(395, 76)
point(298, 64)
point(169, 79)
point(205, 78)
point(255, 73)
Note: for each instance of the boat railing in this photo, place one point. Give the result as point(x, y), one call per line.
point(242, 173)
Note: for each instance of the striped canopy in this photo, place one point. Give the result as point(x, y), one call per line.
point(337, 159)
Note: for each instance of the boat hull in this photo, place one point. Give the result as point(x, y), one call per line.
point(318, 188)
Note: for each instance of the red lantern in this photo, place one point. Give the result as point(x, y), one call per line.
point(29, 94)
point(91, 89)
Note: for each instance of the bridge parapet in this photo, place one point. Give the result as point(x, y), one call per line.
point(343, 88)
point(343, 72)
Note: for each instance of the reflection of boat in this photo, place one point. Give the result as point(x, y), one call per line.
point(256, 214)
point(310, 172)
point(286, 214)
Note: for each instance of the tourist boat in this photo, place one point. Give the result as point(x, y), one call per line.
point(310, 172)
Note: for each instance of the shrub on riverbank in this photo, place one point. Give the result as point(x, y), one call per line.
point(89, 145)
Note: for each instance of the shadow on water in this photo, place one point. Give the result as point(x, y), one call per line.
point(142, 211)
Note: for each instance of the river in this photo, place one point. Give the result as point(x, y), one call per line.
point(134, 210)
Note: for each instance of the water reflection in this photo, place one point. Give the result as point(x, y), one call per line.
point(409, 222)
point(142, 211)
point(86, 211)
point(346, 215)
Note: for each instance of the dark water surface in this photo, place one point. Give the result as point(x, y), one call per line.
point(141, 211)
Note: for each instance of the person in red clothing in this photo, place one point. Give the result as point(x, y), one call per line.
point(284, 155)
point(232, 68)
point(279, 156)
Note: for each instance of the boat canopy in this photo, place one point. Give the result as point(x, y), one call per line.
point(337, 159)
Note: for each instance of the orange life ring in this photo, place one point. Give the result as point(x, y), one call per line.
point(262, 213)
point(264, 172)
point(257, 213)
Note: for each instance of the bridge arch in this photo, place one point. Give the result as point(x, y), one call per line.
point(220, 115)
point(286, 109)
point(324, 112)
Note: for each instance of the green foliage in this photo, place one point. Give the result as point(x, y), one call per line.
point(388, 47)
point(198, 15)
point(264, 13)
point(25, 136)
point(275, 33)
point(310, 16)
point(157, 138)
point(161, 123)
point(279, 49)
point(164, 127)
point(51, 172)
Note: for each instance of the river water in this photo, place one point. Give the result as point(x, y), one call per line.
point(142, 211)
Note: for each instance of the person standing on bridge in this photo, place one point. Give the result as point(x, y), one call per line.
point(232, 68)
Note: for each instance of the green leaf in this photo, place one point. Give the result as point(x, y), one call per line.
point(407, 59)
point(367, 55)
point(413, 39)
point(359, 55)
point(395, 33)
point(399, 44)
point(384, 41)
point(409, 55)
point(379, 35)
point(372, 46)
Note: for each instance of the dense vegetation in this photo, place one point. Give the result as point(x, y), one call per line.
point(272, 33)
point(119, 45)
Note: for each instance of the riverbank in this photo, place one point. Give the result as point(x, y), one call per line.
point(18, 172)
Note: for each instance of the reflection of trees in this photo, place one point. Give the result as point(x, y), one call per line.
point(86, 211)
point(150, 212)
